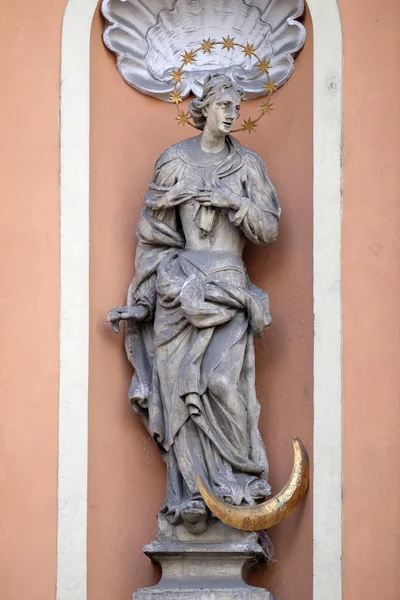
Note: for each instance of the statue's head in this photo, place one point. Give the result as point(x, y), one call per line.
point(219, 105)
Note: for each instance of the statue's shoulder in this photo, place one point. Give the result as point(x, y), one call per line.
point(177, 152)
point(168, 155)
point(250, 158)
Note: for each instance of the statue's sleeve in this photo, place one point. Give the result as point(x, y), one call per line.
point(260, 210)
point(165, 189)
point(158, 236)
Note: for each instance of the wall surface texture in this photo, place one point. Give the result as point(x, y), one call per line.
point(30, 34)
point(126, 475)
point(371, 299)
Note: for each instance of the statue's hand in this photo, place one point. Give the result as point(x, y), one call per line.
point(191, 187)
point(126, 313)
point(222, 196)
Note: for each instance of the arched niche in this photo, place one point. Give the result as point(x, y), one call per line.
point(125, 474)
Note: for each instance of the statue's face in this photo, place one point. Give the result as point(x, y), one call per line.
point(223, 111)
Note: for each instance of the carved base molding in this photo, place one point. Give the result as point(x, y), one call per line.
point(210, 566)
point(204, 594)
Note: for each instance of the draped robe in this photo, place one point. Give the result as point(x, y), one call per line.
point(194, 380)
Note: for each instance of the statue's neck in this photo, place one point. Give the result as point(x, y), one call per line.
point(211, 142)
point(191, 151)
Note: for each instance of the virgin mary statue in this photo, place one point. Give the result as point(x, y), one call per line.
point(192, 312)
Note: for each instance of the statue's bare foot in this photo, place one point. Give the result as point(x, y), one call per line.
point(195, 517)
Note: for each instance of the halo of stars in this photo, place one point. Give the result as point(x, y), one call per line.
point(207, 47)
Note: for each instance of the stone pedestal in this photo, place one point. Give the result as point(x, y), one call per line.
point(210, 566)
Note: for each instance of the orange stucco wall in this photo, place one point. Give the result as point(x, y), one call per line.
point(126, 476)
point(30, 34)
point(371, 299)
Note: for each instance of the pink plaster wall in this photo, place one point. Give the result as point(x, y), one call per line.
point(371, 299)
point(30, 34)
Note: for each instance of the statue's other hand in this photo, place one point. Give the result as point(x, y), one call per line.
point(126, 313)
point(191, 188)
point(222, 196)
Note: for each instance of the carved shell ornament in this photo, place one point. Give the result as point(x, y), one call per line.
point(149, 37)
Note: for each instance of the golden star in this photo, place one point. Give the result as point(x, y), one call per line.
point(177, 75)
point(264, 65)
point(175, 97)
point(228, 43)
point(207, 46)
point(249, 125)
point(266, 107)
point(189, 57)
point(249, 50)
point(270, 86)
point(182, 118)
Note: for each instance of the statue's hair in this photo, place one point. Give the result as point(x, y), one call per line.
point(213, 83)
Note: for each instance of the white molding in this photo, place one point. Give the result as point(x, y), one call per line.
point(74, 326)
point(328, 85)
point(74, 333)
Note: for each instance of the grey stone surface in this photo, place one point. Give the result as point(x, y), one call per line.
point(214, 564)
point(149, 43)
point(192, 312)
point(204, 594)
point(216, 532)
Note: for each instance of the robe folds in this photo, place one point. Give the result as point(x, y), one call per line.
point(194, 380)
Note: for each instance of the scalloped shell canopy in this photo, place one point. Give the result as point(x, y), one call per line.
point(149, 37)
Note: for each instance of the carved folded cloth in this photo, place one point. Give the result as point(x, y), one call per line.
point(176, 181)
point(210, 294)
point(206, 216)
point(200, 317)
point(196, 389)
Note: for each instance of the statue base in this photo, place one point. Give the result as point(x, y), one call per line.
point(204, 594)
point(211, 566)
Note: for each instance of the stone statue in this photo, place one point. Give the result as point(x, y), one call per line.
point(192, 311)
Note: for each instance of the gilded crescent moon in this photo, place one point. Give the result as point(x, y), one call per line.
point(271, 512)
